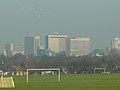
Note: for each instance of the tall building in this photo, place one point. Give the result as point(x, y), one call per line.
point(56, 43)
point(31, 45)
point(79, 46)
point(14, 48)
point(36, 44)
point(116, 43)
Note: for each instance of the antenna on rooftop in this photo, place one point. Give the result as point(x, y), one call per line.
point(56, 33)
point(2, 62)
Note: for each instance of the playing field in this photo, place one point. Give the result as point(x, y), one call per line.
point(68, 82)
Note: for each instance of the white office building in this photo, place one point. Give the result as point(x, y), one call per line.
point(56, 42)
point(116, 43)
point(79, 46)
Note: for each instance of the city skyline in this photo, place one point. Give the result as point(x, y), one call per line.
point(56, 44)
point(43, 45)
point(97, 19)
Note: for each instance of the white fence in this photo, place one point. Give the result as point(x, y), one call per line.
point(7, 82)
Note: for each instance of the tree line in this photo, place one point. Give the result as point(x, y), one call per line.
point(70, 64)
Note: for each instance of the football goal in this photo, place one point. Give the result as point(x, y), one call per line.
point(103, 69)
point(53, 69)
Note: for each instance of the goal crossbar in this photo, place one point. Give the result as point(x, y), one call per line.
point(53, 69)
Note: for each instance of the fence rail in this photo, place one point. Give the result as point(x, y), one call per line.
point(7, 82)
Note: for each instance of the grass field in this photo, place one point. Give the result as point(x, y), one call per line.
point(68, 82)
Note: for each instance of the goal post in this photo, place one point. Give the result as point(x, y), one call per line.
point(99, 69)
point(53, 69)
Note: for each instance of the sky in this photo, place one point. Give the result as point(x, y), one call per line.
point(97, 19)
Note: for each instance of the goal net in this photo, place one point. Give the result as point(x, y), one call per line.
point(42, 72)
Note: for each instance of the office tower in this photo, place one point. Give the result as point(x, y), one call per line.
point(36, 44)
point(31, 45)
point(56, 43)
point(79, 46)
point(14, 48)
point(116, 43)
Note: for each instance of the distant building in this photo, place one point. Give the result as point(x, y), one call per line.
point(116, 43)
point(98, 52)
point(56, 43)
point(101, 52)
point(46, 52)
point(31, 45)
point(79, 46)
point(14, 48)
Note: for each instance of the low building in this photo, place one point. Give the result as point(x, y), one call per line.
point(14, 48)
point(46, 52)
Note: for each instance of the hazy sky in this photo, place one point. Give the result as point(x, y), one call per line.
point(97, 19)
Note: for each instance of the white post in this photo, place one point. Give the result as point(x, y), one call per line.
point(2, 77)
point(27, 75)
point(105, 70)
point(94, 70)
point(2, 74)
point(2, 80)
point(59, 75)
point(13, 84)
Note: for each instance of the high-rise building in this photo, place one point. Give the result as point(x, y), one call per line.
point(56, 43)
point(31, 45)
point(36, 44)
point(14, 48)
point(79, 46)
point(116, 43)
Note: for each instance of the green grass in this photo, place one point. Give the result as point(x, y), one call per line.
point(68, 82)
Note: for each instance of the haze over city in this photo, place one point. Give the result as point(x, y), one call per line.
point(97, 19)
point(60, 44)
